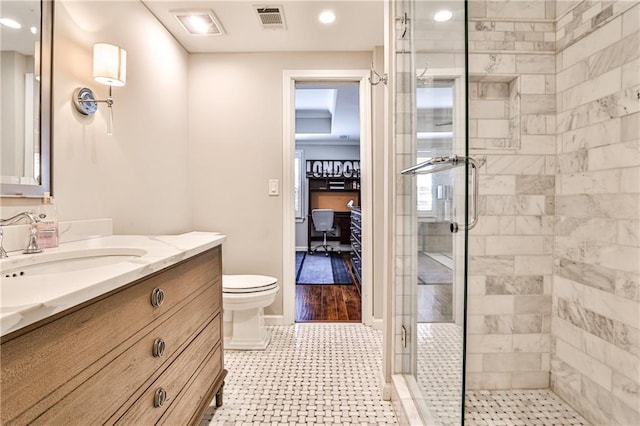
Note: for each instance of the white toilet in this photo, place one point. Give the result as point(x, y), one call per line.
point(244, 298)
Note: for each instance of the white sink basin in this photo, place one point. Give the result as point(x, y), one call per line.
point(17, 291)
point(55, 263)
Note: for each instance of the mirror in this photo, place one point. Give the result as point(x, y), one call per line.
point(25, 105)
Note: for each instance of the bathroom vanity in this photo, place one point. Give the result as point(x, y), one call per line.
point(135, 341)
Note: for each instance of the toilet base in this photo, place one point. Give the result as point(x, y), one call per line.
point(245, 330)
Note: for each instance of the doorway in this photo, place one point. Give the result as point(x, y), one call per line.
point(327, 202)
point(317, 175)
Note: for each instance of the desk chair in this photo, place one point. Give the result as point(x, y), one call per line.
point(323, 222)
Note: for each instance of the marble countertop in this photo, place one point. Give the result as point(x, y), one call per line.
point(32, 298)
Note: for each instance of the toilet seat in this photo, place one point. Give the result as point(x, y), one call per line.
point(237, 284)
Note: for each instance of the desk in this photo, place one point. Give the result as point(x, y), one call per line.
point(327, 194)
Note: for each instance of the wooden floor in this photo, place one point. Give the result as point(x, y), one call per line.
point(329, 302)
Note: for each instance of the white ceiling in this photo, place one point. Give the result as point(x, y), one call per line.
point(342, 103)
point(358, 26)
point(27, 13)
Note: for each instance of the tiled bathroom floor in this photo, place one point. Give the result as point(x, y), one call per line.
point(439, 370)
point(519, 408)
point(439, 366)
point(329, 373)
point(310, 374)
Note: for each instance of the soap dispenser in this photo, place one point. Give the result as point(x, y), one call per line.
point(47, 228)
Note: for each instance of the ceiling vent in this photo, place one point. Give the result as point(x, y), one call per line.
point(271, 17)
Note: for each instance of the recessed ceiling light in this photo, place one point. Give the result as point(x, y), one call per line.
point(199, 22)
point(33, 30)
point(327, 17)
point(11, 23)
point(443, 15)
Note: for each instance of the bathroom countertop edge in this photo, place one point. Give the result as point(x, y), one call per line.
point(57, 292)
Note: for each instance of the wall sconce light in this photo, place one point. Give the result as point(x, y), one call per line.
point(110, 68)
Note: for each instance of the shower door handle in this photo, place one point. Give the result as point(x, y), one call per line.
point(455, 226)
point(438, 164)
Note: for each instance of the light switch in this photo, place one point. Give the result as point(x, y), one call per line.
point(274, 187)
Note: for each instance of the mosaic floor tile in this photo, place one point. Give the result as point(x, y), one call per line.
point(309, 374)
point(439, 377)
point(329, 374)
point(440, 370)
point(519, 407)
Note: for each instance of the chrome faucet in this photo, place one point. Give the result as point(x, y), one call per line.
point(32, 246)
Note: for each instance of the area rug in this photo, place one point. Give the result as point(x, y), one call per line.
point(321, 269)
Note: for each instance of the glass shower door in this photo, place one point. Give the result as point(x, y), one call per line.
point(442, 224)
point(445, 206)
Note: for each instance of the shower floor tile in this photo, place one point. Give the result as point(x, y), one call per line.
point(310, 374)
point(439, 377)
point(440, 370)
point(519, 407)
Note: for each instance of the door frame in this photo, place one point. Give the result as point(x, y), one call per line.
point(289, 78)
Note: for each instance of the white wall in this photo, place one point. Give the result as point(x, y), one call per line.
point(139, 175)
point(235, 103)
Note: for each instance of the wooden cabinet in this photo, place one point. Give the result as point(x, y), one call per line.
point(106, 360)
point(356, 242)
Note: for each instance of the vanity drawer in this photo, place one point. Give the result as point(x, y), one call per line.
point(192, 400)
point(41, 363)
point(97, 399)
point(146, 410)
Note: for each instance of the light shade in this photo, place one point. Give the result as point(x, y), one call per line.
point(109, 64)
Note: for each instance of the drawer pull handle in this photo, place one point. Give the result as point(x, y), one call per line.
point(158, 348)
point(159, 398)
point(157, 297)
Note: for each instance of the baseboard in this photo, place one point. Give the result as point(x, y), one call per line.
point(377, 324)
point(274, 320)
point(404, 405)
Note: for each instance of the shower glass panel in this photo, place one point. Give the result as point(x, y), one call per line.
point(438, 55)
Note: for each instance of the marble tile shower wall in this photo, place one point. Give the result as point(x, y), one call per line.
point(512, 128)
point(554, 297)
point(596, 310)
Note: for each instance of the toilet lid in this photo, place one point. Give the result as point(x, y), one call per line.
point(247, 283)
